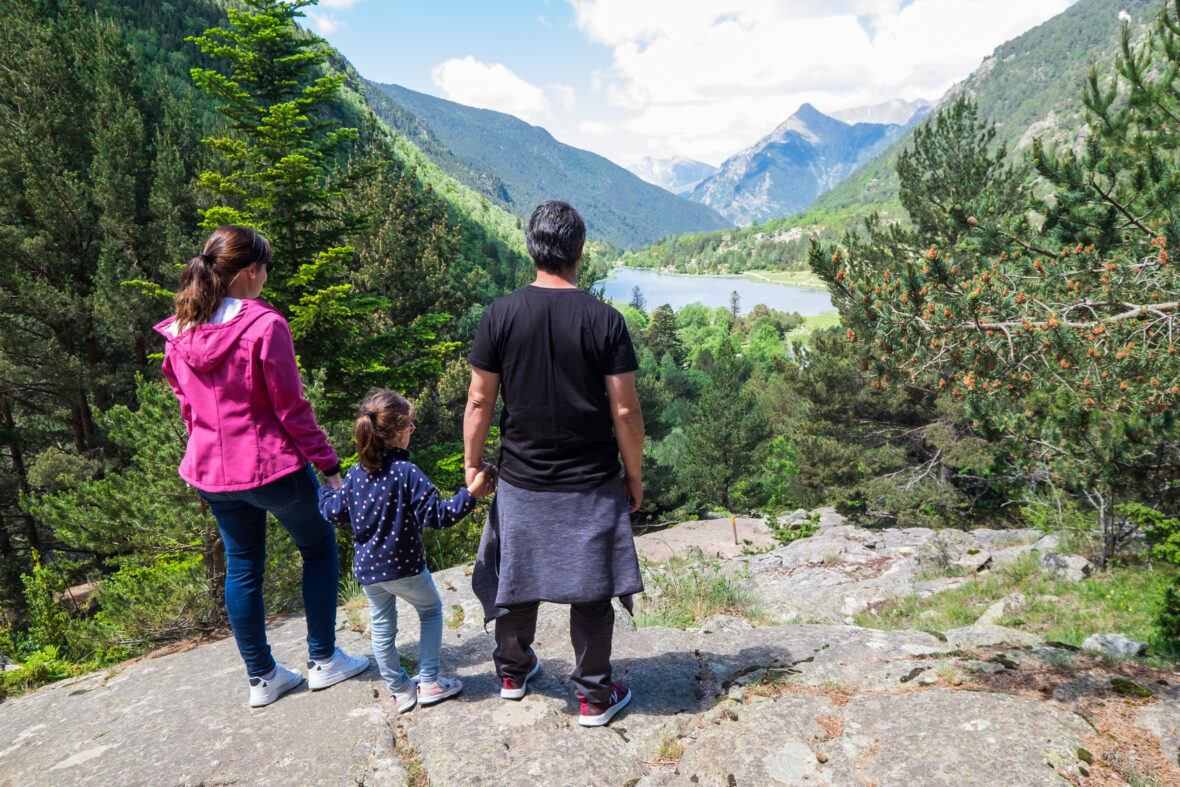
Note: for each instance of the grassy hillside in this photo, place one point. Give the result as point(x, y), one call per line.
point(519, 165)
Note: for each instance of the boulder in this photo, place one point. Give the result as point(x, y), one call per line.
point(1005, 606)
point(974, 560)
point(1048, 543)
point(944, 548)
point(1114, 645)
point(1071, 568)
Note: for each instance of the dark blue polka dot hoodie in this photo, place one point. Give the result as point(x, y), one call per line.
point(388, 511)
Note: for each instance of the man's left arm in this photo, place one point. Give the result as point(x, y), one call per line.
point(628, 421)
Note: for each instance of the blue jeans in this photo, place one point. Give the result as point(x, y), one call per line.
point(241, 518)
point(420, 592)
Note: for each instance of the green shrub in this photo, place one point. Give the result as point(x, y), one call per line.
point(142, 606)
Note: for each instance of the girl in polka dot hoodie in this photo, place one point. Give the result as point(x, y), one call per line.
point(388, 502)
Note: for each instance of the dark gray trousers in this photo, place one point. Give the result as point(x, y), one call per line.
point(592, 629)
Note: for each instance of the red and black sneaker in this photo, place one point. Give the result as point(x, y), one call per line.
point(515, 689)
point(598, 715)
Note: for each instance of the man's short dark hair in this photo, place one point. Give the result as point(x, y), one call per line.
point(554, 236)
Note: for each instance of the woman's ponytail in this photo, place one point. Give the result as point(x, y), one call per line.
point(207, 276)
point(200, 293)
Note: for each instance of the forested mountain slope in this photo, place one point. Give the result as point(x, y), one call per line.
point(519, 165)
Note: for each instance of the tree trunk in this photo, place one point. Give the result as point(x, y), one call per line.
point(18, 466)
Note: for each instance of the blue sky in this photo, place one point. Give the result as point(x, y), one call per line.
point(696, 78)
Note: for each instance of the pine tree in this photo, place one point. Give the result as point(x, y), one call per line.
point(281, 150)
point(661, 337)
point(76, 153)
point(1062, 344)
point(721, 443)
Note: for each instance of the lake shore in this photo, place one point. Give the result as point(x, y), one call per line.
point(787, 278)
point(786, 291)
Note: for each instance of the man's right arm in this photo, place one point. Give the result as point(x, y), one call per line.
point(628, 421)
point(477, 418)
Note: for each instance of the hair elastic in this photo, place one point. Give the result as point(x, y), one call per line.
point(372, 415)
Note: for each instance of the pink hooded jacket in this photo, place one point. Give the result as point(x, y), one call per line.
point(242, 400)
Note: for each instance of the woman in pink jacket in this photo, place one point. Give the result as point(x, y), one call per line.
point(231, 362)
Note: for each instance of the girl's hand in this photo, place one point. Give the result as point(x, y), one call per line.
point(484, 482)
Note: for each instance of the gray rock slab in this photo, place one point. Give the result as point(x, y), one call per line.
point(940, 736)
point(1006, 538)
point(775, 742)
point(183, 719)
point(982, 636)
point(712, 537)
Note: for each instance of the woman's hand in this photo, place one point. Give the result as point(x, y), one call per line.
point(481, 481)
point(334, 480)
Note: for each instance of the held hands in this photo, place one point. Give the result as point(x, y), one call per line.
point(481, 481)
point(334, 481)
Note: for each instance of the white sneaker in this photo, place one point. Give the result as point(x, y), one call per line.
point(322, 674)
point(264, 691)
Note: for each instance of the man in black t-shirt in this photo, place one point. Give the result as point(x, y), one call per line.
point(559, 529)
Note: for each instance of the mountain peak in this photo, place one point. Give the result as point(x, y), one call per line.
point(807, 111)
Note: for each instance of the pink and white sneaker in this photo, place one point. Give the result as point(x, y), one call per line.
point(430, 693)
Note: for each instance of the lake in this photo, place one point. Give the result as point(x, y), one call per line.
point(679, 291)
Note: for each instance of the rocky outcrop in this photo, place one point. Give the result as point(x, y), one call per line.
point(843, 571)
point(724, 702)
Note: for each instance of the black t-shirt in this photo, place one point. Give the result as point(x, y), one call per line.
point(552, 348)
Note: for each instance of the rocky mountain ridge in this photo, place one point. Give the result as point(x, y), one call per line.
point(677, 174)
point(784, 172)
point(724, 702)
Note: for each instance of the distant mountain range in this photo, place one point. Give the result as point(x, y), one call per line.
point(519, 165)
point(678, 175)
point(1030, 86)
point(807, 154)
point(899, 112)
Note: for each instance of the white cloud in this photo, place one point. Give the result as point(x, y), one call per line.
point(597, 129)
point(715, 75)
point(324, 19)
point(322, 24)
point(565, 94)
point(491, 86)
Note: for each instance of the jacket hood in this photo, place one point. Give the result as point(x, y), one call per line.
point(204, 347)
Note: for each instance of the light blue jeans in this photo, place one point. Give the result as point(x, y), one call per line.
point(418, 591)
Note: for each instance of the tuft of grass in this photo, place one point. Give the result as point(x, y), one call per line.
point(687, 590)
point(670, 750)
point(1122, 600)
point(352, 599)
point(455, 617)
point(407, 662)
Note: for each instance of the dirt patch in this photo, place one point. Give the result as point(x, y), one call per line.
point(1123, 752)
